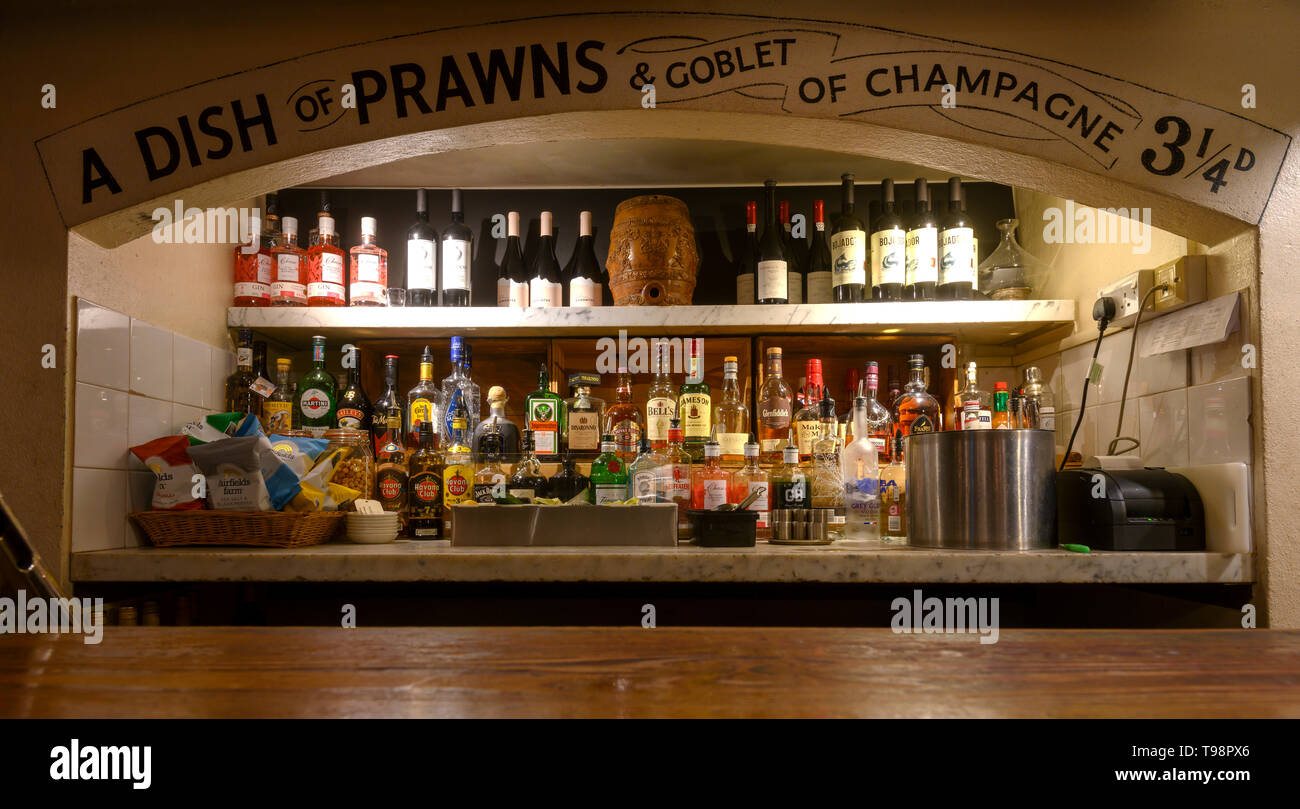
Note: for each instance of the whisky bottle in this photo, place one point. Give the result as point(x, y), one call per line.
point(424, 488)
point(916, 411)
point(774, 413)
point(489, 477)
point(731, 416)
point(623, 419)
point(695, 405)
point(661, 401)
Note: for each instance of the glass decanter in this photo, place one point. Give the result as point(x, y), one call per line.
point(1011, 273)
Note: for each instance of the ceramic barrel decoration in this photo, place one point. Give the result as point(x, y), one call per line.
point(652, 253)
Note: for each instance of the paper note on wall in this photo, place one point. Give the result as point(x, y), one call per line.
point(1205, 323)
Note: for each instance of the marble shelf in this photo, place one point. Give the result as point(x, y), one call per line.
point(845, 561)
point(984, 322)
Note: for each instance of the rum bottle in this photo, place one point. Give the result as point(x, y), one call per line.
point(458, 473)
point(422, 400)
point(424, 488)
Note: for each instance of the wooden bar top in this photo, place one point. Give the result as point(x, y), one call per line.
point(635, 672)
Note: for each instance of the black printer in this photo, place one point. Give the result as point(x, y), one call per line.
point(1129, 510)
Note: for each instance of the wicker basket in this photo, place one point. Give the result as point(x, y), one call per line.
point(262, 529)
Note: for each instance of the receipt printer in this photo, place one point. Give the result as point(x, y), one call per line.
point(1129, 510)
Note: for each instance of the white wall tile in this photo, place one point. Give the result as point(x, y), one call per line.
point(191, 371)
point(99, 507)
point(103, 346)
point(1219, 422)
point(1162, 422)
point(140, 497)
point(100, 431)
point(147, 419)
point(1218, 361)
point(184, 414)
point(151, 360)
point(1099, 428)
point(1073, 370)
point(223, 365)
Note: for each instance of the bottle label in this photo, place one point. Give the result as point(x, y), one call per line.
point(643, 484)
point(368, 268)
point(733, 444)
point(792, 493)
point(331, 291)
point(425, 490)
point(976, 419)
point(243, 290)
point(518, 293)
point(421, 411)
point(503, 292)
point(1047, 418)
point(351, 417)
point(543, 420)
point(760, 503)
point(278, 416)
point(658, 412)
point(773, 280)
point(795, 286)
point(455, 484)
point(891, 256)
point(848, 259)
point(584, 292)
point(523, 494)
point(390, 486)
point(315, 403)
point(819, 287)
point(367, 291)
point(544, 293)
point(610, 493)
point(627, 435)
point(715, 493)
point(894, 524)
point(676, 482)
point(288, 268)
point(419, 264)
point(286, 291)
point(922, 256)
point(696, 414)
point(244, 356)
point(745, 288)
point(455, 264)
point(919, 425)
point(957, 256)
point(809, 431)
point(264, 269)
point(485, 491)
point(331, 269)
point(775, 414)
point(584, 430)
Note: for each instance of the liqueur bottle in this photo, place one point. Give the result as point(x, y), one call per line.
point(354, 409)
point(512, 282)
point(643, 474)
point(424, 488)
point(457, 249)
point(277, 409)
point(794, 256)
point(773, 264)
point(325, 268)
point(710, 483)
point(889, 249)
point(585, 280)
point(368, 271)
point(661, 400)
point(253, 264)
point(958, 273)
point(820, 270)
point(317, 393)
point(893, 498)
point(675, 479)
point(458, 472)
point(774, 410)
point(421, 256)
point(880, 424)
point(498, 422)
point(749, 478)
point(240, 394)
point(972, 408)
point(608, 474)
point(582, 421)
point(922, 249)
point(916, 410)
point(695, 405)
point(544, 413)
point(289, 287)
point(422, 400)
point(387, 407)
point(544, 287)
point(731, 416)
point(747, 266)
point(623, 419)
point(527, 482)
point(567, 483)
point(849, 249)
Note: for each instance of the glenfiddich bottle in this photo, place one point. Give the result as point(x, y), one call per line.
point(774, 406)
point(424, 488)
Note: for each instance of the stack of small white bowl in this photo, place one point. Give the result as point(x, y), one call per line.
point(373, 529)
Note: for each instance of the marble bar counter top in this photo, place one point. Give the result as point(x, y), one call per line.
point(843, 562)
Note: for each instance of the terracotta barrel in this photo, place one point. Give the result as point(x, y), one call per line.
point(652, 252)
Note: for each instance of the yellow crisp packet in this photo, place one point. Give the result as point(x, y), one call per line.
point(316, 494)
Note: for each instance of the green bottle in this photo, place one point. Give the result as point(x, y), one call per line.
point(695, 406)
point(608, 474)
point(317, 394)
point(543, 414)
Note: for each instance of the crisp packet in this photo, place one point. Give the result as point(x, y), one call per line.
point(317, 493)
point(281, 479)
point(298, 452)
point(233, 469)
point(212, 427)
point(173, 470)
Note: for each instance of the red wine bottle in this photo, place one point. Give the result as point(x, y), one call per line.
point(421, 257)
point(457, 249)
point(849, 249)
point(922, 249)
point(773, 262)
point(957, 260)
point(889, 249)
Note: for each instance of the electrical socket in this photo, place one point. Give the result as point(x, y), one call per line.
point(1128, 293)
point(1186, 283)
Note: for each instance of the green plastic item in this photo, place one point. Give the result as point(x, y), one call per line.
point(1077, 548)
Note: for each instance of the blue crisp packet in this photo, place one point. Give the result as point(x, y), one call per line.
point(299, 452)
point(281, 481)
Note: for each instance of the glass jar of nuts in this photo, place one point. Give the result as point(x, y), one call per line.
point(355, 467)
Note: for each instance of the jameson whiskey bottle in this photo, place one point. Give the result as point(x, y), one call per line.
point(661, 401)
point(316, 393)
point(424, 488)
point(695, 405)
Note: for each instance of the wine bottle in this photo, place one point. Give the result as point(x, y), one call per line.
point(889, 253)
point(795, 256)
point(820, 272)
point(584, 279)
point(922, 249)
point(421, 256)
point(773, 278)
point(957, 265)
point(512, 282)
point(457, 247)
point(849, 249)
point(544, 287)
point(747, 266)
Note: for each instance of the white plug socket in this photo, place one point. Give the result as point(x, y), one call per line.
point(1128, 292)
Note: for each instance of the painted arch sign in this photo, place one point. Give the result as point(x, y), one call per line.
point(645, 61)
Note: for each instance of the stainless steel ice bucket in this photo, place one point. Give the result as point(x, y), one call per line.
point(981, 489)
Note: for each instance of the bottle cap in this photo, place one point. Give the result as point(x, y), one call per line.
point(712, 449)
point(584, 223)
point(774, 352)
point(999, 386)
point(496, 393)
point(790, 454)
point(512, 223)
point(326, 225)
point(289, 225)
point(751, 448)
point(583, 379)
point(368, 226)
point(547, 225)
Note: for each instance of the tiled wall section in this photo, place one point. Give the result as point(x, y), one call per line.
point(135, 382)
point(1186, 407)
